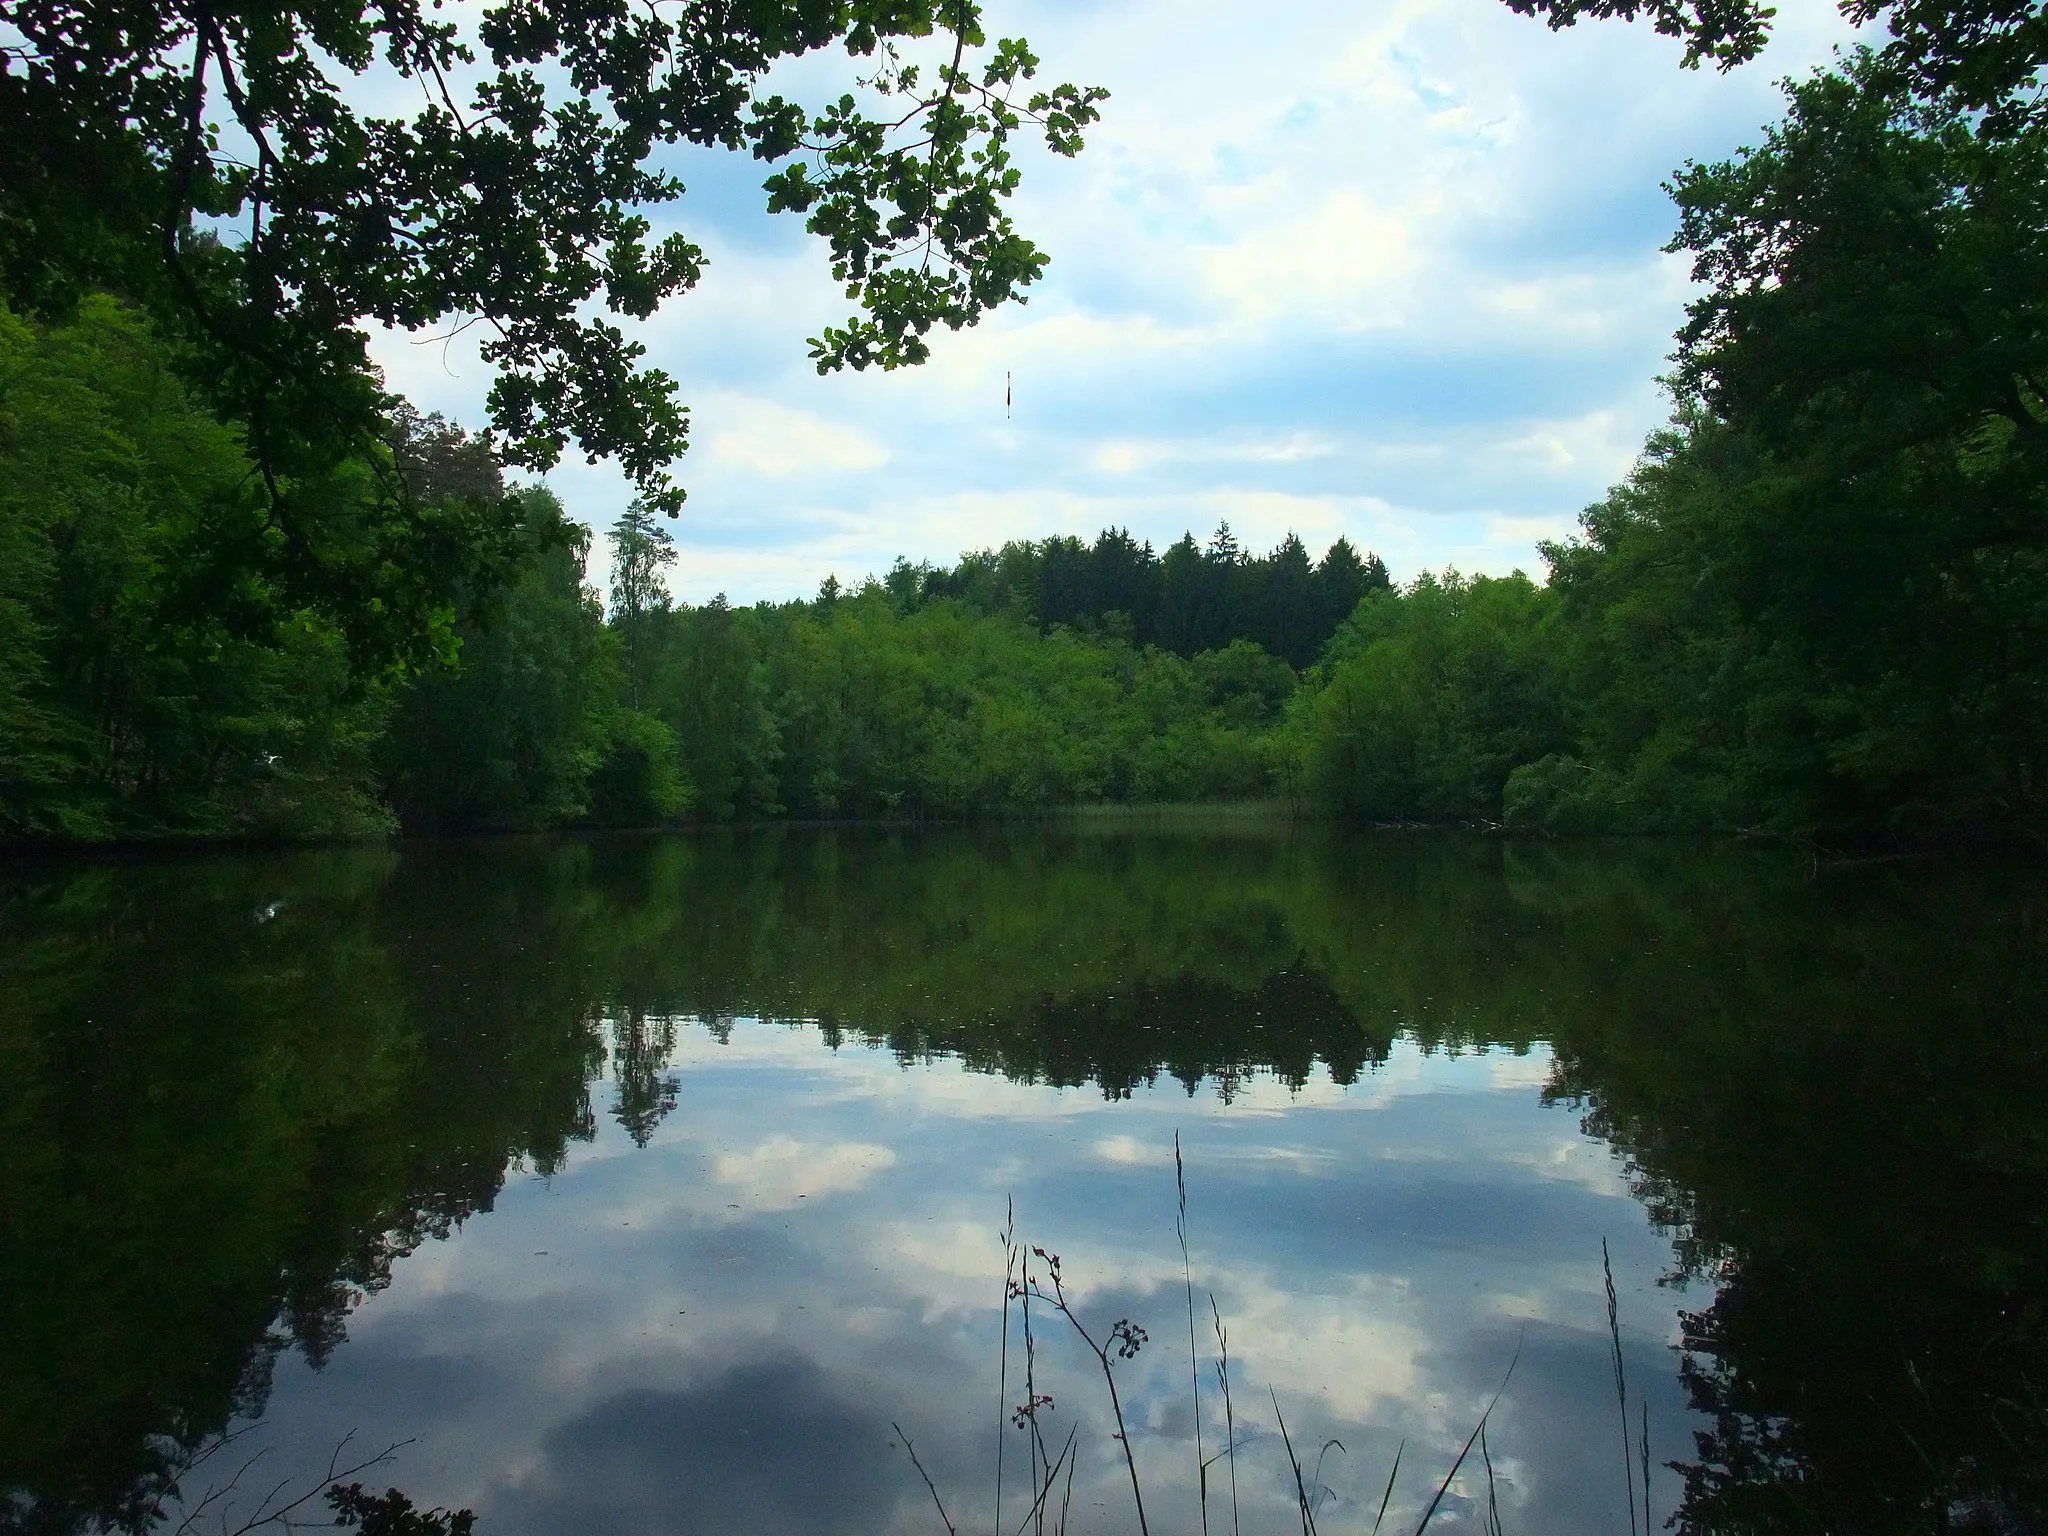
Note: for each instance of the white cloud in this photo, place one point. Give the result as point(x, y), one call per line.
point(771, 439)
point(1129, 1152)
point(780, 1171)
point(1344, 261)
point(1123, 456)
point(1392, 270)
point(1522, 533)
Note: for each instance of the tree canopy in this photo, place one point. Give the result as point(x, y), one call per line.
point(232, 170)
point(215, 158)
point(1983, 54)
point(243, 591)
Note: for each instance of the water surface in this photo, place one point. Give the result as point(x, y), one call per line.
point(656, 1185)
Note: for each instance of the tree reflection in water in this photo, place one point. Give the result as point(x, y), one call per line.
point(1831, 1090)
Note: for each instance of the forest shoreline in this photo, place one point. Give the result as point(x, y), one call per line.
point(1658, 682)
point(1239, 816)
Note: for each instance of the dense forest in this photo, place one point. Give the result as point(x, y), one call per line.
point(150, 693)
point(1188, 600)
point(1818, 606)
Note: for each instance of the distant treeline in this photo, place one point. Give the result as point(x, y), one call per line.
point(1189, 600)
point(878, 701)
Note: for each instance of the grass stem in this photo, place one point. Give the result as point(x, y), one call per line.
point(1126, 1338)
point(1180, 1184)
point(1308, 1518)
point(1646, 1468)
point(1477, 1429)
point(1620, 1385)
point(1009, 1235)
point(911, 1451)
point(1229, 1415)
point(1389, 1491)
point(1037, 1508)
point(1492, 1491)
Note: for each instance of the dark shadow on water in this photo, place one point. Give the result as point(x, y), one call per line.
point(770, 1447)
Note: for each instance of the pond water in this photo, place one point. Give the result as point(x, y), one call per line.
point(659, 1185)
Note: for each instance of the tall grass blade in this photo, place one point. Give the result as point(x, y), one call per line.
point(1620, 1385)
point(1316, 1483)
point(1308, 1518)
point(1492, 1491)
point(1445, 1486)
point(1180, 1184)
point(1229, 1415)
point(1389, 1493)
point(1646, 1469)
point(1003, 1371)
point(1037, 1508)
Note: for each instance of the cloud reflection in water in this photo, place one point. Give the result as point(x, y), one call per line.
point(714, 1332)
point(517, 1146)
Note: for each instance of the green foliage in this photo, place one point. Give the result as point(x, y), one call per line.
point(149, 685)
point(1186, 601)
point(1429, 697)
point(1820, 603)
point(1560, 794)
point(641, 550)
point(638, 783)
point(1818, 606)
point(152, 687)
point(517, 194)
point(1983, 57)
point(1245, 682)
point(211, 167)
point(857, 707)
point(714, 688)
point(506, 738)
point(391, 1513)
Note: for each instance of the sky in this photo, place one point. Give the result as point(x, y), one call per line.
point(1389, 270)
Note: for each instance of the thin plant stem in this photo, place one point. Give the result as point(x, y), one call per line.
point(1187, 1276)
point(1445, 1486)
point(1128, 1338)
point(1620, 1384)
point(1037, 1509)
point(1646, 1467)
point(1003, 1370)
point(1031, 1394)
point(1301, 1495)
point(911, 1451)
point(1388, 1493)
point(1067, 1498)
point(222, 1494)
point(1315, 1477)
point(1229, 1416)
point(1492, 1493)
